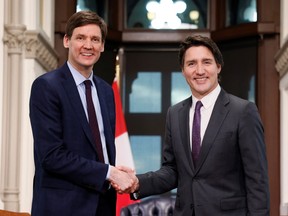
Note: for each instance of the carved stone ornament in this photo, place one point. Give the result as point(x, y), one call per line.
point(35, 45)
point(282, 60)
point(14, 38)
point(38, 47)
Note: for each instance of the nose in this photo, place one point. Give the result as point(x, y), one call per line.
point(87, 44)
point(199, 69)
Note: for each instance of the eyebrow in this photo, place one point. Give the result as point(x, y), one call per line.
point(204, 59)
point(83, 35)
point(207, 59)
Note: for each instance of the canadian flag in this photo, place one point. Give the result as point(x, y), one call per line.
point(123, 150)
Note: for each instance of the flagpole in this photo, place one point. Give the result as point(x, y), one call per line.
point(117, 69)
point(123, 150)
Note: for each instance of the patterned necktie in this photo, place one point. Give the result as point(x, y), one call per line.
point(196, 137)
point(93, 120)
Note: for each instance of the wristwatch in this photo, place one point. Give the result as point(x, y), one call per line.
point(135, 195)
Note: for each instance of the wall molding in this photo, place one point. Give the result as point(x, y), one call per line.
point(281, 59)
point(37, 47)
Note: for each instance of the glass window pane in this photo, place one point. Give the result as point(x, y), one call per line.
point(166, 14)
point(146, 152)
point(98, 6)
point(251, 91)
point(242, 11)
point(145, 96)
point(86, 5)
point(179, 88)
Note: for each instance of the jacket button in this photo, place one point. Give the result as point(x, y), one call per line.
point(192, 206)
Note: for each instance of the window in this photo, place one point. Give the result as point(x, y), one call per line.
point(145, 96)
point(98, 6)
point(240, 11)
point(154, 82)
point(166, 14)
point(179, 88)
point(146, 152)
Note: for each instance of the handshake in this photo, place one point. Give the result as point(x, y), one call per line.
point(123, 179)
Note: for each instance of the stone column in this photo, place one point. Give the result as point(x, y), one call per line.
point(13, 39)
point(13, 43)
point(282, 67)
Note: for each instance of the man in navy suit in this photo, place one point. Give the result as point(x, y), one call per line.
point(229, 174)
point(70, 179)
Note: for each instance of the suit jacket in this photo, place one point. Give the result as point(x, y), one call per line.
point(68, 179)
point(231, 173)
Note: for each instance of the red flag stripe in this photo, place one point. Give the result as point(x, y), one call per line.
point(120, 122)
point(123, 151)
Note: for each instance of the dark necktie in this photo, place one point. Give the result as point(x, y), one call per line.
point(93, 120)
point(196, 137)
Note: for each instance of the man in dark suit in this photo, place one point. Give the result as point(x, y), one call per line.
point(229, 174)
point(71, 176)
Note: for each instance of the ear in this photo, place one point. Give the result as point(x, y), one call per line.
point(219, 68)
point(66, 41)
point(102, 47)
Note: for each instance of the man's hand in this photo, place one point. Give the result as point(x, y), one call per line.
point(123, 179)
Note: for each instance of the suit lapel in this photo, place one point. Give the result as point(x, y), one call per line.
point(219, 114)
point(75, 101)
point(184, 130)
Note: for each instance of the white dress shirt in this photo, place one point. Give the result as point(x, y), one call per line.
point(206, 110)
point(79, 79)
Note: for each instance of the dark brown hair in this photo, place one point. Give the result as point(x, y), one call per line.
point(199, 40)
point(82, 18)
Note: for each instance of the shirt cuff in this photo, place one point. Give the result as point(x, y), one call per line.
point(108, 172)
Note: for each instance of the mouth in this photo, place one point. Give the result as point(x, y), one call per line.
point(201, 79)
point(87, 54)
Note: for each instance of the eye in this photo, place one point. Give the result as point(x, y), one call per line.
point(190, 63)
point(207, 62)
point(96, 40)
point(80, 38)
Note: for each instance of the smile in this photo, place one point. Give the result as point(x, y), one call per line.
point(200, 79)
point(87, 54)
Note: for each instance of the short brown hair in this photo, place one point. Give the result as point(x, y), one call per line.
point(199, 40)
point(82, 18)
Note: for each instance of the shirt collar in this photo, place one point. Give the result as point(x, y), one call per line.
point(78, 77)
point(209, 99)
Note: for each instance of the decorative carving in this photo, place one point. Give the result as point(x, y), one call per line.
point(282, 60)
point(35, 44)
point(14, 37)
point(38, 47)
